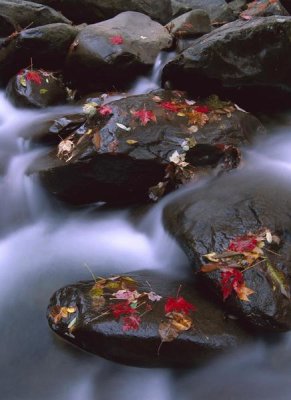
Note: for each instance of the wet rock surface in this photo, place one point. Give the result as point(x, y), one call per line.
point(35, 88)
point(206, 220)
point(247, 60)
point(112, 52)
point(19, 14)
point(118, 156)
point(98, 10)
point(191, 24)
point(94, 328)
point(46, 45)
point(218, 10)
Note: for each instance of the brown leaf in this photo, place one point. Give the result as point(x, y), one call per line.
point(167, 331)
point(180, 321)
point(197, 118)
point(177, 323)
point(210, 267)
point(97, 140)
point(58, 313)
point(243, 292)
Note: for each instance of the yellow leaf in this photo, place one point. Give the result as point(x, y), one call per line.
point(212, 257)
point(58, 313)
point(131, 141)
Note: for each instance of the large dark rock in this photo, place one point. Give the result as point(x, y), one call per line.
point(208, 218)
point(218, 10)
point(249, 61)
point(117, 158)
point(19, 14)
point(112, 52)
point(46, 45)
point(191, 24)
point(91, 11)
point(210, 335)
point(35, 88)
point(263, 8)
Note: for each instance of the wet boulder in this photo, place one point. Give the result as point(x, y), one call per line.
point(191, 24)
point(132, 148)
point(136, 319)
point(218, 10)
point(46, 45)
point(99, 10)
point(247, 60)
point(19, 14)
point(112, 52)
point(263, 8)
point(236, 233)
point(35, 88)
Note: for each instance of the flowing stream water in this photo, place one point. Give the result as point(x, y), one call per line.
point(44, 246)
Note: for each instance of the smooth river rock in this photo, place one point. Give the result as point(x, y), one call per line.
point(210, 335)
point(249, 61)
point(118, 157)
point(208, 218)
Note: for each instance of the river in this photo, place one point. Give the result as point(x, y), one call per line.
point(44, 245)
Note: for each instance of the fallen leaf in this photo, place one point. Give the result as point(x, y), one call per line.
point(22, 80)
point(210, 267)
point(123, 127)
point(279, 279)
point(153, 296)
point(65, 149)
point(131, 141)
point(197, 118)
point(241, 244)
point(125, 294)
point(177, 323)
point(58, 313)
point(90, 108)
point(116, 39)
point(230, 278)
point(157, 191)
point(33, 76)
point(178, 159)
point(171, 106)
point(144, 116)
point(131, 322)
point(97, 140)
point(43, 91)
point(178, 305)
point(105, 110)
point(167, 331)
point(202, 109)
point(244, 292)
point(121, 309)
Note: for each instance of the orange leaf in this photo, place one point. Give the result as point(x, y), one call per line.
point(243, 292)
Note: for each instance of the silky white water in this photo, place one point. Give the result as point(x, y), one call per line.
point(44, 246)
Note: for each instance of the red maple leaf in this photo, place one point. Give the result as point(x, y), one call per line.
point(243, 244)
point(34, 77)
point(202, 109)
point(116, 39)
point(122, 308)
point(179, 305)
point(231, 279)
point(144, 116)
point(168, 105)
point(105, 110)
point(131, 323)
